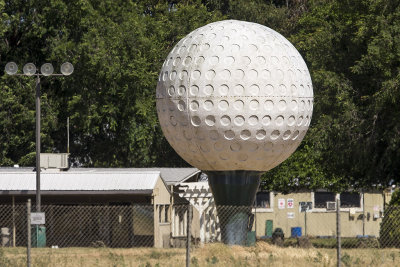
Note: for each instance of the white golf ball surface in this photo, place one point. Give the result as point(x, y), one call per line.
point(234, 95)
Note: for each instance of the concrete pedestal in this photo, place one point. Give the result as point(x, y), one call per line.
point(234, 194)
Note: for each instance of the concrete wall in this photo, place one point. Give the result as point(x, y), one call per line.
point(320, 222)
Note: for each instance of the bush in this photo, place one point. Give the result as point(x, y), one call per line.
point(389, 234)
point(324, 242)
point(278, 237)
point(304, 242)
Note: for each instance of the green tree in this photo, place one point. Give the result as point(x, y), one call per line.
point(351, 49)
point(117, 48)
point(389, 233)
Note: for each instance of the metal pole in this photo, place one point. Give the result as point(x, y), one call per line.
point(13, 219)
point(255, 220)
point(363, 217)
point(28, 247)
point(68, 135)
point(189, 222)
point(38, 200)
point(305, 222)
point(339, 263)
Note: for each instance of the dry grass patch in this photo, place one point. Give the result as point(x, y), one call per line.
point(263, 254)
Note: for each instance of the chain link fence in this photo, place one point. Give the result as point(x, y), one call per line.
point(166, 226)
point(82, 226)
point(358, 230)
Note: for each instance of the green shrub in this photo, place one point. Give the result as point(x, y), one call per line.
point(195, 261)
point(278, 237)
point(323, 242)
point(346, 259)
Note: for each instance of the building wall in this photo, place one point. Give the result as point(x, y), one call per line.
point(162, 218)
point(320, 222)
point(161, 194)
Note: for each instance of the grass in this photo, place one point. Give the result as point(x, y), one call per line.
point(263, 254)
point(331, 242)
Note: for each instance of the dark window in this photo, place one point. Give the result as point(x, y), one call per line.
point(167, 213)
point(320, 199)
point(350, 200)
point(262, 200)
point(160, 213)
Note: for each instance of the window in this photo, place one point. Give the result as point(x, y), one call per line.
point(163, 213)
point(167, 219)
point(320, 199)
point(263, 200)
point(160, 213)
point(350, 200)
point(347, 199)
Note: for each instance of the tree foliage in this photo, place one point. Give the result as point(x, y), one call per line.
point(352, 49)
point(389, 232)
point(117, 48)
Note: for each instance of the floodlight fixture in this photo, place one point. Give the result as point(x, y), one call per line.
point(67, 68)
point(29, 69)
point(47, 69)
point(11, 68)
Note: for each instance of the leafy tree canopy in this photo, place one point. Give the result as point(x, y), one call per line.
point(352, 49)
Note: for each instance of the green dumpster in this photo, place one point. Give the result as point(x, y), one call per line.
point(38, 237)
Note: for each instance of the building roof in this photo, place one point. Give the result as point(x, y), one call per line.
point(78, 181)
point(83, 180)
point(174, 176)
point(171, 176)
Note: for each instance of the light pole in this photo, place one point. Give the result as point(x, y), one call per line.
point(46, 69)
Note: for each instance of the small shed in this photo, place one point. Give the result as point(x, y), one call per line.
point(129, 191)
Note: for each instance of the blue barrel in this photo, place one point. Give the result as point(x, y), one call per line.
point(296, 232)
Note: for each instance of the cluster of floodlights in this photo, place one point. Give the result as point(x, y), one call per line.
point(46, 69)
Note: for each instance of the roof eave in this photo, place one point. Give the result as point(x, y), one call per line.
point(186, 178)
point(77, 192)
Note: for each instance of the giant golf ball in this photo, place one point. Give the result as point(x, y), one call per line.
point(234, 95)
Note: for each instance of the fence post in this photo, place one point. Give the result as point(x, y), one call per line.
point(28, 246)
point(305, 222)
point(188, 240)
point(13, 221)
point(363, 217)
point(338, 249)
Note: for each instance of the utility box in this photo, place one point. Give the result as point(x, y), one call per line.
point(54, 161)
point(38, 236)
point(5, 237)
point(251, 239)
